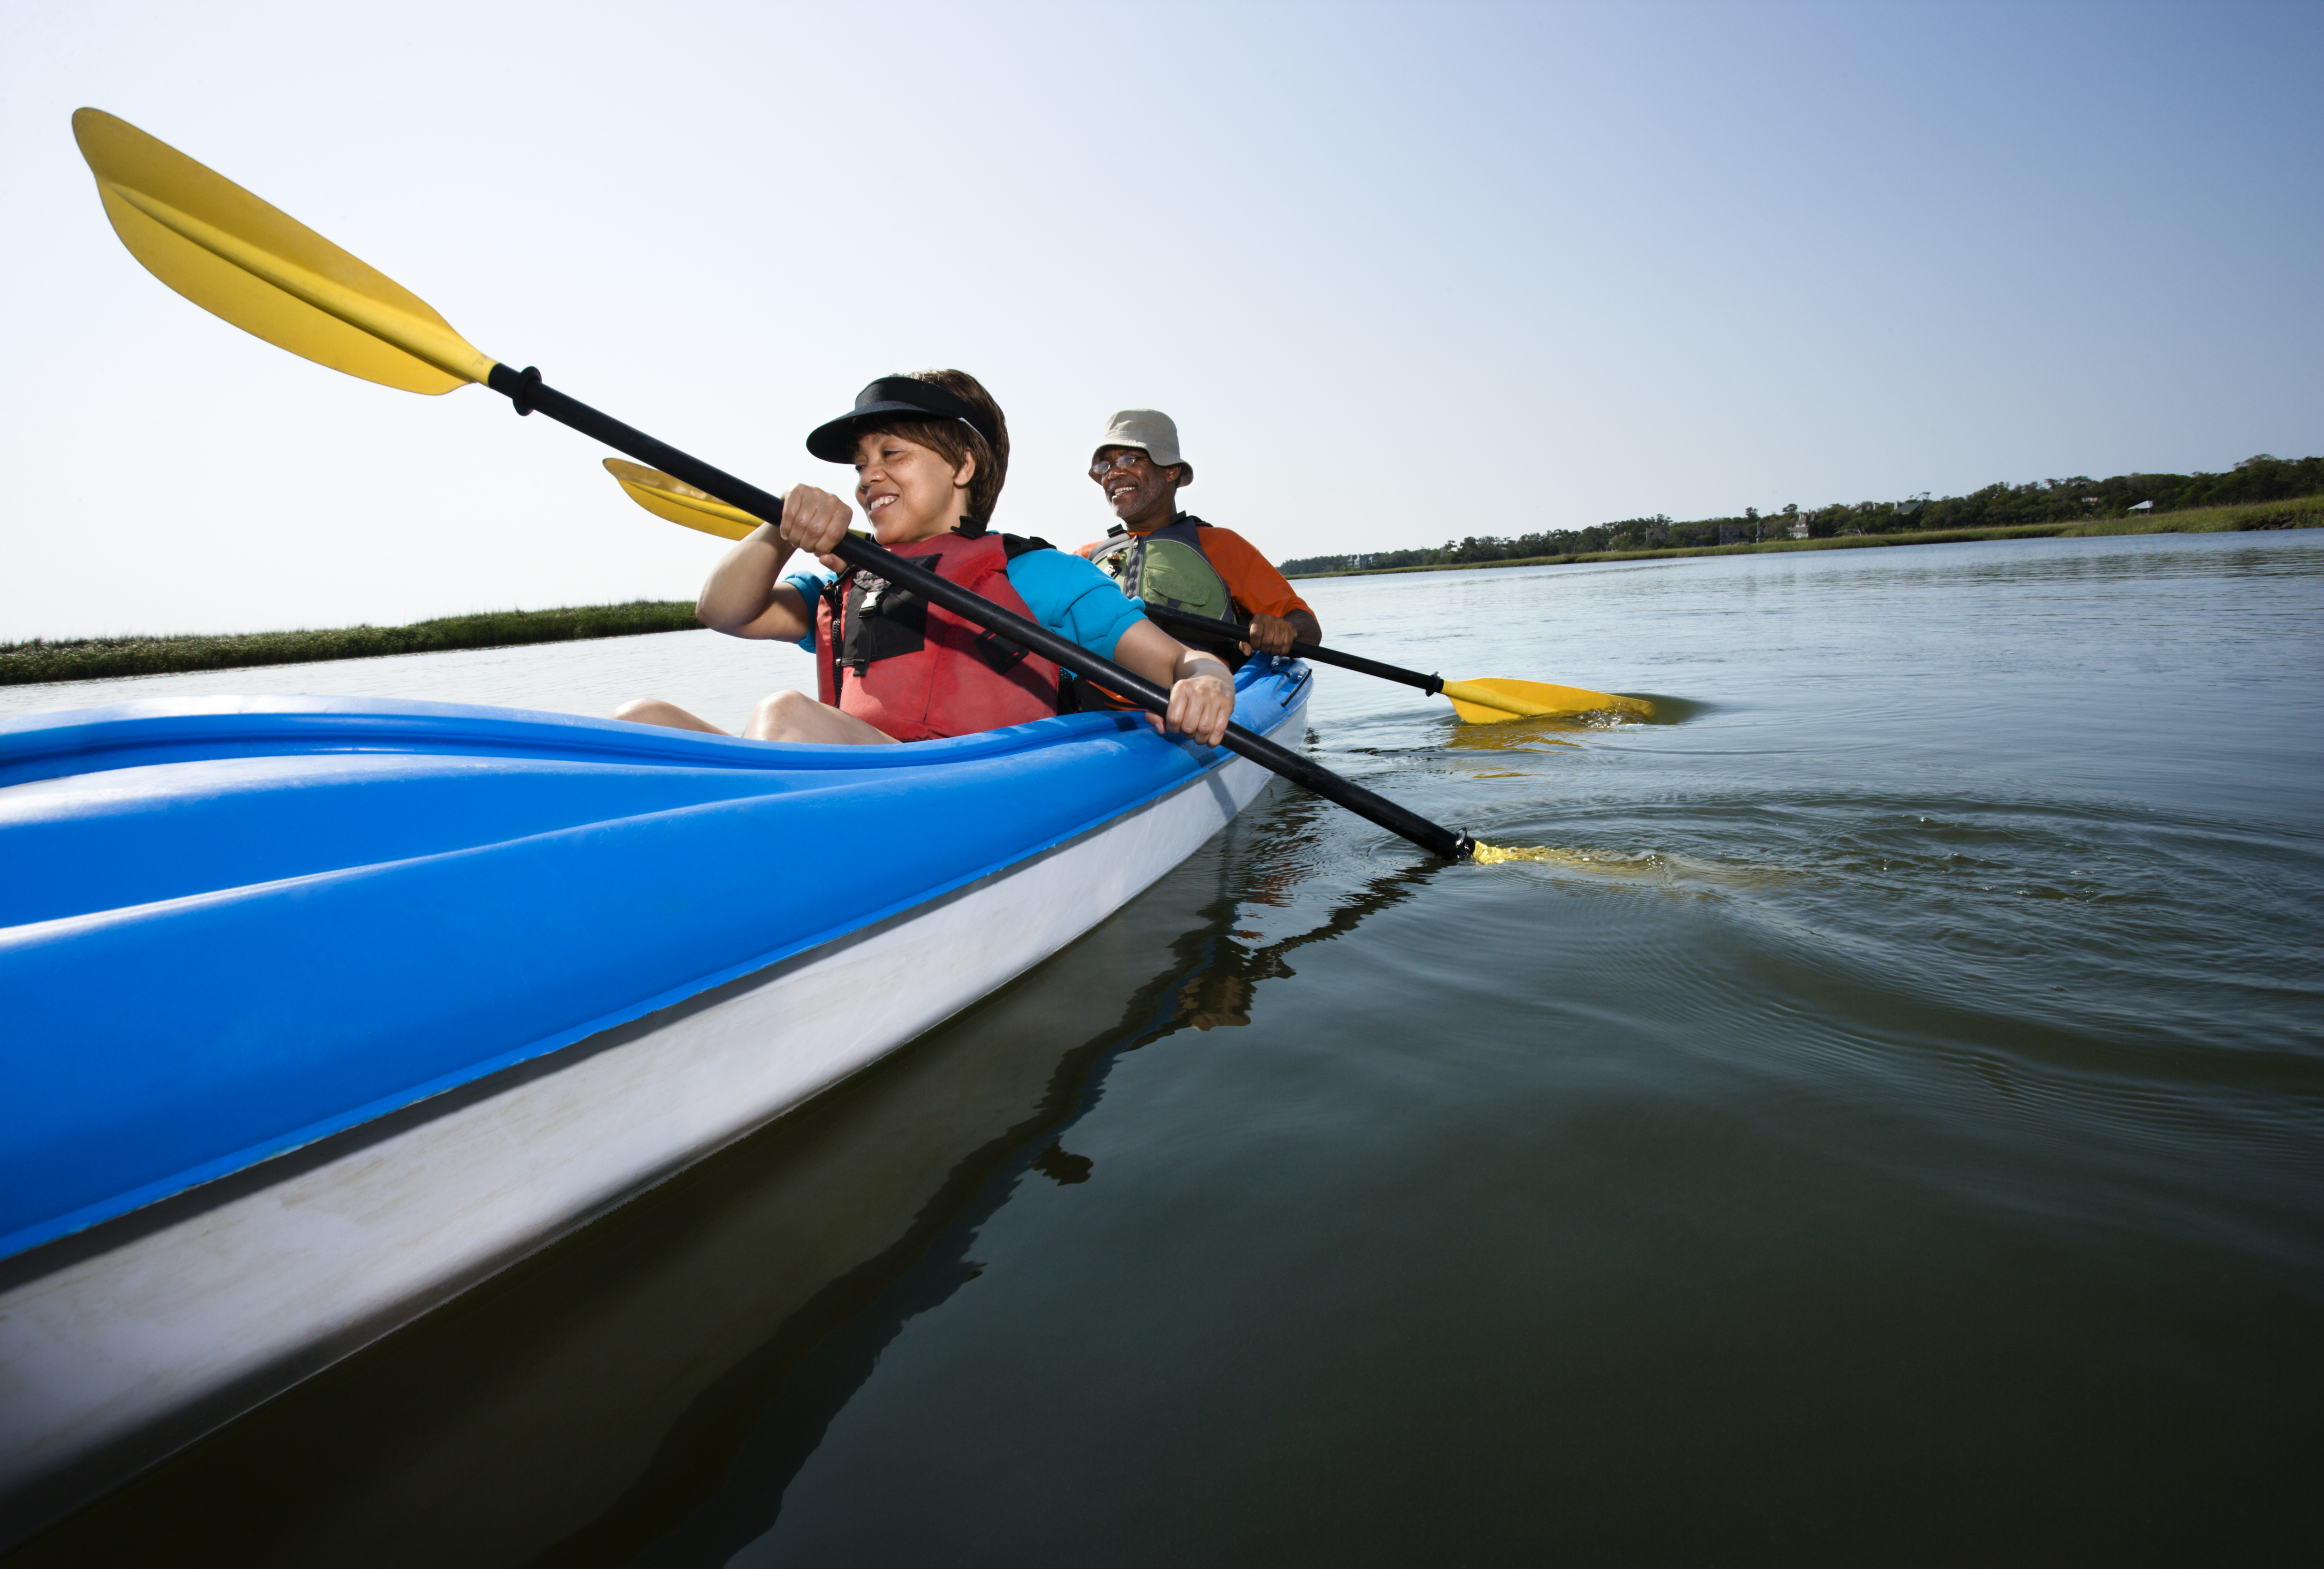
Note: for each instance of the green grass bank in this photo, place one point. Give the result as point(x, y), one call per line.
point(2306, 512)
point(97, 658)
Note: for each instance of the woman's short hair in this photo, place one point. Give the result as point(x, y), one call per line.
point(956, 441)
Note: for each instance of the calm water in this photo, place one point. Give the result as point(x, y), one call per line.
point(1890, 1131)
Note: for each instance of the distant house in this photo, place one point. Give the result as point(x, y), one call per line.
point(1798, 530)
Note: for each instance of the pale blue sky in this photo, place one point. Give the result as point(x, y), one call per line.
point(1403, 272)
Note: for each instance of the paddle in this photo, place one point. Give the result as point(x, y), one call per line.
point(257, 267)
point(679, 502)
point(1487, 700)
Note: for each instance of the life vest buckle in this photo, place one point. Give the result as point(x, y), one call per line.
point(998, 652)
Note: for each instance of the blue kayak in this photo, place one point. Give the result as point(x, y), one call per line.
point(321, 1010)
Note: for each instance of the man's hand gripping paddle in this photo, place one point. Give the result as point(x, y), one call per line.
point(239, 258)
point(1487, 700)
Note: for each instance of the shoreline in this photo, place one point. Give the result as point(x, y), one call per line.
point(40, 661)
point(2308, 513)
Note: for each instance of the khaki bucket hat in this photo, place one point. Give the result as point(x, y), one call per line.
point(1150, 430)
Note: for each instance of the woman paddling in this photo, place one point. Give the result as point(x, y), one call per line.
point(930, 453)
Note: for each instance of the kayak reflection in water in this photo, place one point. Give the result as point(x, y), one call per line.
point(930, 453)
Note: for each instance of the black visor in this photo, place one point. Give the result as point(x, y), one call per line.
point(892, 398)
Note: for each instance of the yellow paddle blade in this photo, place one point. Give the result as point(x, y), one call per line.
point(1494, 855)
point(263, 270)
point(679, 502)
point(1496, 699)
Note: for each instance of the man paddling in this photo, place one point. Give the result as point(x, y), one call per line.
point(1166, 556)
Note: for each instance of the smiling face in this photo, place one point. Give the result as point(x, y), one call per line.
point(1141, 495)
point(909, 491)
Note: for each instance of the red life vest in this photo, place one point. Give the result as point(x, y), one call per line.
point(915, 671)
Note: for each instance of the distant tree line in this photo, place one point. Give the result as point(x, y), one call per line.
point(96, 658)
point(2002, 505)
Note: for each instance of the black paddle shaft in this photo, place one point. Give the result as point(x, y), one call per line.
point(1186, 620)
point(528, 392)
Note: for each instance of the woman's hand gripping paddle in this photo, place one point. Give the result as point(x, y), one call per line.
point(1487, 700)
point(241, 259)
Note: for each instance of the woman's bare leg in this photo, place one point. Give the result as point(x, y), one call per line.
point(654, 711)
point(784, 716)
point(795, 716)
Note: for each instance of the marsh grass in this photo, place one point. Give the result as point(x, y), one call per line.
point(92, 659)
point(2303, 512)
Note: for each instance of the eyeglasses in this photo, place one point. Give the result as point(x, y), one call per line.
point(1128, 457)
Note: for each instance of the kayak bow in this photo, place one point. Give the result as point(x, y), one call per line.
point(420, 987)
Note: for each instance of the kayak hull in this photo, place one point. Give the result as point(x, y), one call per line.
point(254, 1261)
